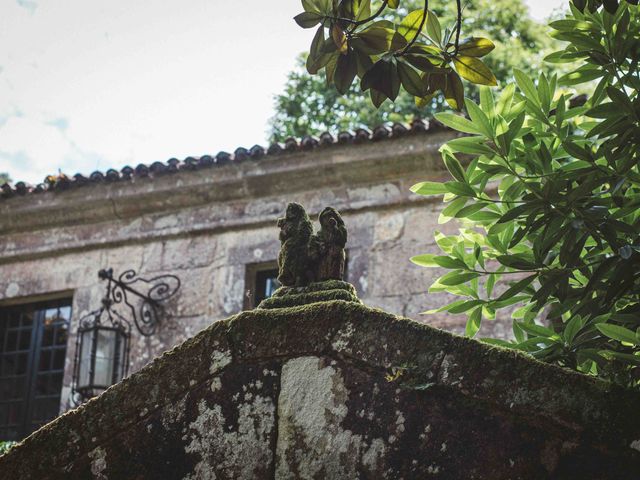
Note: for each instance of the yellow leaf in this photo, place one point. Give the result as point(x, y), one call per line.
point(472, 69)
point(475, 47)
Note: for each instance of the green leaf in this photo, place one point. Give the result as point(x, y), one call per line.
point(410, 25)
point(308, 19)
point(516, 261)
point(363, 10)
point(456, 278)
point(457, 122)
point(538, 330)
point(479, 118)
point(411, 81)
point(460, 188)
point(317, 58)
point(517, 287)
point(374, 40)
point(473, 322)
point(346, 70)
point(451, 209)
point(425, 260)
point(434, 31)
point(471, 145)
point(449, 262)
point(465, 306)
point(526, 86)
point(571, 328)
point(580, 76)
point(454, 91)
point(473, 70)
point(475, 47)
point(454, 167)
point(383, 76)
point(469, 210)
point(619, 333)
point(377, 98)
point(429, 188)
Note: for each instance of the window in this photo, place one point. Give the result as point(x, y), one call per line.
point(33, 344)
point(261, 280)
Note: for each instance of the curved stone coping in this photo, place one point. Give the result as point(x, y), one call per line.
point(417, 356)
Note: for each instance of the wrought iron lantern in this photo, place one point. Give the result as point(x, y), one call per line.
point(103, 337)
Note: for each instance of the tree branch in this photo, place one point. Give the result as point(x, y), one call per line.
point(425, 12)
point(458, 27)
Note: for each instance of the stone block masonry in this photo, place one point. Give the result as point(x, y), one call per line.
point(338, 390)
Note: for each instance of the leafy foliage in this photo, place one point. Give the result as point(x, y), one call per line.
point(309, 106)
point(4, 178)
point(415, 53)
point(548, 194)
point(5, 446)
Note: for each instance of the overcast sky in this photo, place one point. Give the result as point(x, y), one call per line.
point(94, 84)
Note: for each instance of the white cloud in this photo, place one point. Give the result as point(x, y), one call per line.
point(135, 82)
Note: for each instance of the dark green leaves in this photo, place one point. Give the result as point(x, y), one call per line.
point(308, 19)
point(382, 77)
point(346, 70)
point(414, 53)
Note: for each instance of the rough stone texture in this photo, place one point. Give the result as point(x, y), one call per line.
point(207, 225)
point(342, 391)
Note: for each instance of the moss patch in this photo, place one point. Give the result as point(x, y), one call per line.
point(316, 292)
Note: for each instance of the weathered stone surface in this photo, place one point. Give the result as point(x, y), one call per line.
point(212, 226)
point(342, 391)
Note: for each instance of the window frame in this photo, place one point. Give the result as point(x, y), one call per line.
point(28, 421)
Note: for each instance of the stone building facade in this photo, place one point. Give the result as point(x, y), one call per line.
point(211, 222)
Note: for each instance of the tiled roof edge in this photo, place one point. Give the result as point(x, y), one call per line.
point(63, 182)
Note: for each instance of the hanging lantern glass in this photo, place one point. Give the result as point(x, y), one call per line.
point(102, 354)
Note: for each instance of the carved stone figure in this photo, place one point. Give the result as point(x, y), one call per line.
point(305, 258)
point(331, 238)
point(294, 265)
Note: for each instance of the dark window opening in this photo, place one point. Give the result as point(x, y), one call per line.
point(261, 280)
point(33, 344)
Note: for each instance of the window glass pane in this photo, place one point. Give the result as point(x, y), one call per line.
point(51, 316)
point(45, 360)
point(65, 313)
point(25, 340)
point(58, 359)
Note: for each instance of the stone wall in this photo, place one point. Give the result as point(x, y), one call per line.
point(207, 225)
point(342, 391)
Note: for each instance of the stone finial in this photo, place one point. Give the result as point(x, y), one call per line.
point(311, 266)
point(304, 257)
point(295, 268)
point(330, 241)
